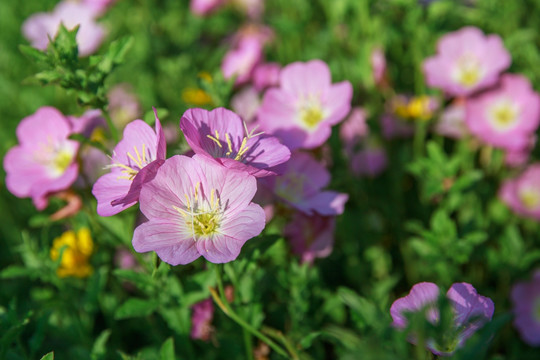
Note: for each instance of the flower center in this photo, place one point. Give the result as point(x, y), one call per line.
point(503, 115)
point(135, 163)
point(530, 198)
point(228, 148)
point(536, 310)
point(201, 215)
point(311, 115)
point(61, 161)
point(290, 187)
point(468, 71)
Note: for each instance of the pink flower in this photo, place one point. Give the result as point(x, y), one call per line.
point(44, 161)
point(471, 312)
point(201, 320)
point(526, 300)
point(99, 6)
point(353, 129)
point(452, 121)
point(303, 109)
point(300, 186)
point(197, 207)
point(516, 158)
point(311, 236)
point(135, 161)
point(245, 103)
point(505, 117)
point(205, 7)
point(522, 194)
point(39, 27)
point(378, 65)
point(266, 75)
point(124, 106)
point(466, 61)
point(370, 161)
point(220, 134)
point(242, 59)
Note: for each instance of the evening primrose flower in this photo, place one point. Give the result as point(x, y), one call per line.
point(201, 320)
point(507, 116)
point(471, 312)
point(44, 161)
point(311, 236)
point(303, 109)
point(41, 26)
point(522, 194)
point(220, 134)
point(135, 161)
point(526, 299)
point(300, 185)
point(75, 249)
point(196, 207)
point(466, 61)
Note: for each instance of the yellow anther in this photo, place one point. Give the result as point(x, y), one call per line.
point(143, 153)
point(138, 156)
point(214, 140)
point(229, 143)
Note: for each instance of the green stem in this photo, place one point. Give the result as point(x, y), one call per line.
point(224, 306)
point(110, 124)
point(248, 343)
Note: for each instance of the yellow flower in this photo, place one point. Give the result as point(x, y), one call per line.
point(194, 96)
point(77, 250)
point(418, 107)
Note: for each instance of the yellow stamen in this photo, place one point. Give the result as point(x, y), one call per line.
point(143, 153)
point(229, 143)
point(214, 140)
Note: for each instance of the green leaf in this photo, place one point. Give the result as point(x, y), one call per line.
point(49, 356)
point(35, 54)
point(15, 271)
point(167, 350)
point(150, 119)
point(308, 339)
point(135, 308)
point(99, 350)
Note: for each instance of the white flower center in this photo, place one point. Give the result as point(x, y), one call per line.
point(503, 114)
point(467, 71)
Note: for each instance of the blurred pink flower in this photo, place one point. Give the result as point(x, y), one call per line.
point(242, 59)
point(370, 161)
point(197, 207)
point(99, 6)
point(303, 109)
point(221, 135)
point(522, 194)
point(39, 27)
point(124, 106)
point(311, 236)
point(471, 312)
point(205, 7)
point(378, 65)
point(526, 300)
point(245, 103)
point(452, 121)
point(45, 159)
point(507, 116)
point(353, 130)
point(135, 161)
point(301, 183)
point(266, 75)
point(466, 61)
point(515, 158)
point(201, 320)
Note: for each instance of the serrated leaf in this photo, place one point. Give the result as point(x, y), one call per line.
point(37, 55)
point(167, 350)
point(135, 308)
